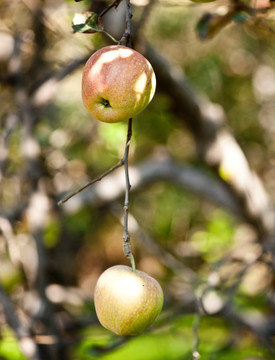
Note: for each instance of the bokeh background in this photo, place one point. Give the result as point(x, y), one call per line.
point(202, 171)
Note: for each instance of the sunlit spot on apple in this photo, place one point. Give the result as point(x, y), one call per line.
point(129, 288)
point(113, 55)
point(153, 87)
point(140, 84)
point(110, 57)
point(124, 53)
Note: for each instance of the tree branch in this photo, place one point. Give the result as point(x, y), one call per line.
point(154, 170)
point(27, 344)
point(216, 145)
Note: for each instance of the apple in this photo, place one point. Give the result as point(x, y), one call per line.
point(117, 83)
point(127, 302)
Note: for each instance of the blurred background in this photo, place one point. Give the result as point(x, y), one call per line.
point(201, 160)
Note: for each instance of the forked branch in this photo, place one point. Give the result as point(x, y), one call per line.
point(124, 161)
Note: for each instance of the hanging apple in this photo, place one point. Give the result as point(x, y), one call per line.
point(117, 83)
point(127, 302)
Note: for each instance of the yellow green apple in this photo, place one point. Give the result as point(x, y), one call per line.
point(127, 302)
point(117, 83)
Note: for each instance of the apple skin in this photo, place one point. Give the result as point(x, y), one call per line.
point(117, 83)
point(127, 302)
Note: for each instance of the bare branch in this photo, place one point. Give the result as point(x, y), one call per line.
point(115, 4)
point(99, 178)
point(215, 143)
point(44, 91)
point(153, 170)
point(26, 342)
point(126, 38)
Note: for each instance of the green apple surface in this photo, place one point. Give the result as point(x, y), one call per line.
point(117, 83)
point(127, 302)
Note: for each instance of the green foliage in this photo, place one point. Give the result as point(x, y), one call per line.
point(113, 136)
point(256, 303)
point(10, 274)
point(171, 341)
point(156, 345)
point(217, 237)
point(88, 22)
point(169, 22)
point(166, 212)
point(9, 347)
point(80, 223)
point(52, 234)
point(145, 129)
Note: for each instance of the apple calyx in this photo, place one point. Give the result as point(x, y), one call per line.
point(106, 103)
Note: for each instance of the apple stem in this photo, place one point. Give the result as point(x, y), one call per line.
point(126, 237)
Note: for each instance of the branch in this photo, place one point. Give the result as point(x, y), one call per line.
point(163, 255)
point(115, 4)
point(99, 178)
point(32, 172)
point(215, 143)
point(258, 325)
point(154, 170)
point(126, 37)
point(44, 91)
point(27, 344)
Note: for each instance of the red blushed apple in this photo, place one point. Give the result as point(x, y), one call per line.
point(117, 83)
point(127, 302)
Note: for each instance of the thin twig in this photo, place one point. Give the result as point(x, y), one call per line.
point(100, 177)
point(195, 329)
point(109, 7)
point(124, 161)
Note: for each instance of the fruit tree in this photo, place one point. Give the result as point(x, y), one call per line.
point(137, 179)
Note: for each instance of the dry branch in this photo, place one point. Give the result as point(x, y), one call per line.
point(154, 170)
point(215, 143)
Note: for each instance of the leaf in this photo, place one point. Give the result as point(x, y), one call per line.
point(88, 22)
point(241, 17)
point(211, 23)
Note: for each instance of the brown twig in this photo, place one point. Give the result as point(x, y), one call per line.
point(100, 177)
point(109, 7)
point(124, 161)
